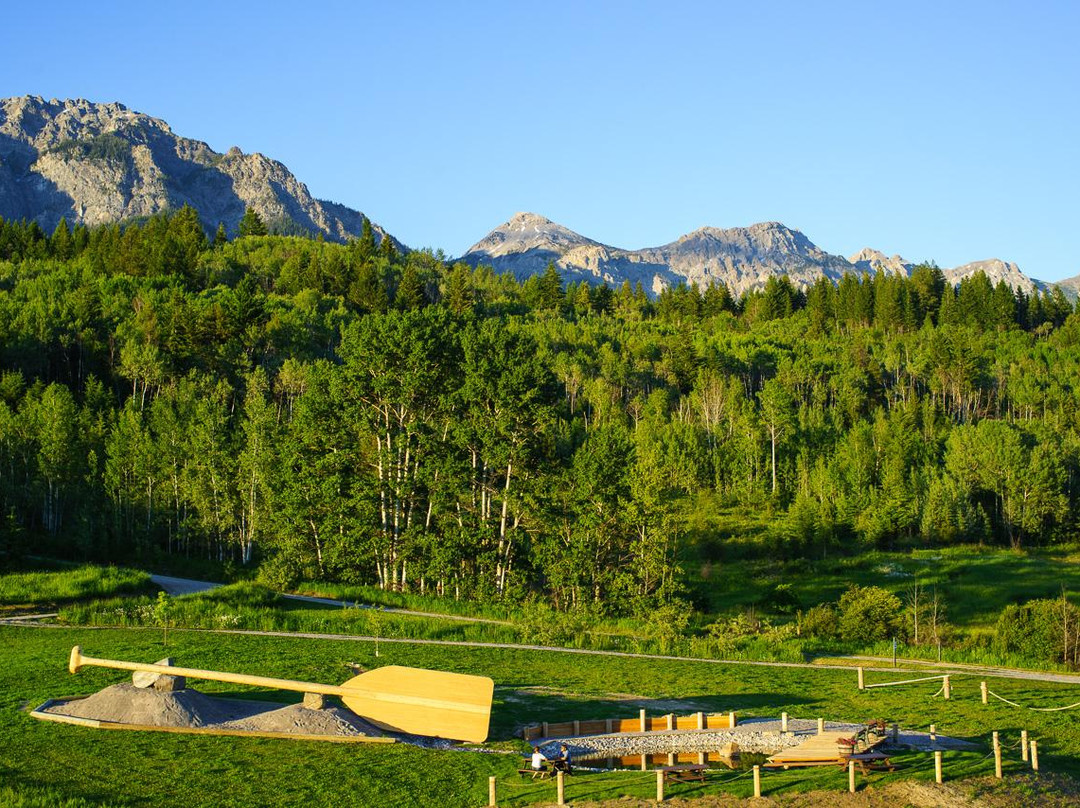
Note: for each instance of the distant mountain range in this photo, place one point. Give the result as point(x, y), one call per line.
point(744, 258)
point(97, 163)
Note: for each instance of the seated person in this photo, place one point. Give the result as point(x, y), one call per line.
point(538, 759)
point(562, 762)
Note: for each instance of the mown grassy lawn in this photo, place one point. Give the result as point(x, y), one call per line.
point(131, 768)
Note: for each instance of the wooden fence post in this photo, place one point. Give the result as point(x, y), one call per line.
point(937, 766)
point(783, 722)
point(862, 684)
point(851, 776)
point(671, 758)
point(608, 726)
point(701, 720)
point(702, 758)
point(933, 733)
point(1024, 745)
point(644, 762)
point(491, 791)
point(643, 721)
point(577, 727)
point(560, 786)
point(544, 730)
point(757, 781)
point(731, 720)
point(671, 721)
point(982, 687)
point(820, 726)
point(948, 689)
point(997, 755)
point(1035, 756)
point(659, 785)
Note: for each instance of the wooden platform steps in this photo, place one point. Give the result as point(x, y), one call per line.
point(816, 750)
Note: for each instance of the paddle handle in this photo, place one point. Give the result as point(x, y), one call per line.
point(77, 660)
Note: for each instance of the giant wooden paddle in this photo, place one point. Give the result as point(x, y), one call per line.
point(412, 700)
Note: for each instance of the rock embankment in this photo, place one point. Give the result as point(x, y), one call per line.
point(755, 736)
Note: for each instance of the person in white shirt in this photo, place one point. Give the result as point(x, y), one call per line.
point(538, 759)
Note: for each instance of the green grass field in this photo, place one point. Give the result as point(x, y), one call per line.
point(121, 768)
point(37, 589)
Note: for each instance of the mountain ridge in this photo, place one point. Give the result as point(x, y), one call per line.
point(95, 163)
point(744, 258)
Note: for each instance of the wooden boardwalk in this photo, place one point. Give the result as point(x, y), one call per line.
point(816, 750)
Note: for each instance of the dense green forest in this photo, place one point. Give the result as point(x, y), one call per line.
point(347, 413)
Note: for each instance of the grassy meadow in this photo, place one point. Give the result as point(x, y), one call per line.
point(974, 583)
point(121, 768)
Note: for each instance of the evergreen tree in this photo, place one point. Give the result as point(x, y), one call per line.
point(251, 224)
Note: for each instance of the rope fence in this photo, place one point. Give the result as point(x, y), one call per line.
point(904, 682)
point(1036, 709)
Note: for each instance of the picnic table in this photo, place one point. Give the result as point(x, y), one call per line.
point(536, 773)
point(869, 761)
point(686, 773)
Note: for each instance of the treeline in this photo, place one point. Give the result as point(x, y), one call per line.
point(346, 412)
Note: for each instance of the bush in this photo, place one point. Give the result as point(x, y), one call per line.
point(1037, 630)
point(782, 600)
point(868, 614)
point(820, 622)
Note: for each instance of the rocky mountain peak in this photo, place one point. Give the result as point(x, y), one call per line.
point(996, 270)
point(870, 261)
point(527, 233)
point(96, 163)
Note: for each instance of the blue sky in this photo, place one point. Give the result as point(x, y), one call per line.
point(944, 131)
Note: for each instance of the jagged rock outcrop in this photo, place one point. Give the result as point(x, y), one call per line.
point(98, 163)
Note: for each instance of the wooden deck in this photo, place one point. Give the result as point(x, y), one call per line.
point(816, 750)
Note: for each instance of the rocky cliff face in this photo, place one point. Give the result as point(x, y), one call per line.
point(98, 163)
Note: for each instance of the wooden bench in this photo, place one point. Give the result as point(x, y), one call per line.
point(686, 773)
point(535, 774)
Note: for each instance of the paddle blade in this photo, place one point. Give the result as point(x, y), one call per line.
point(423, 702)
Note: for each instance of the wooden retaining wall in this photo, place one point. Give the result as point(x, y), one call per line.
point(640, 723)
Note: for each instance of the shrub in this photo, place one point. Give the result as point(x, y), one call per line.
point(820, 622)
point(1037, 630)
point(868, 614)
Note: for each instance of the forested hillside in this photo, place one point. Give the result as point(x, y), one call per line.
point(346, 412)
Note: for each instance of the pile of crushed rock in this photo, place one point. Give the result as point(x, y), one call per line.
point(189, 709)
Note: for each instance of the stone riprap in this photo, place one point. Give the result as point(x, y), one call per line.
point(761, 736)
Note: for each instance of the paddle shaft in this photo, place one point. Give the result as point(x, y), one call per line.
point(78, 660)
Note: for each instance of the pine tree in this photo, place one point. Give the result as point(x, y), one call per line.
point(251, 225)
point(60, 244)
point(410, 291)
point(551, 291)
point(221, 238)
